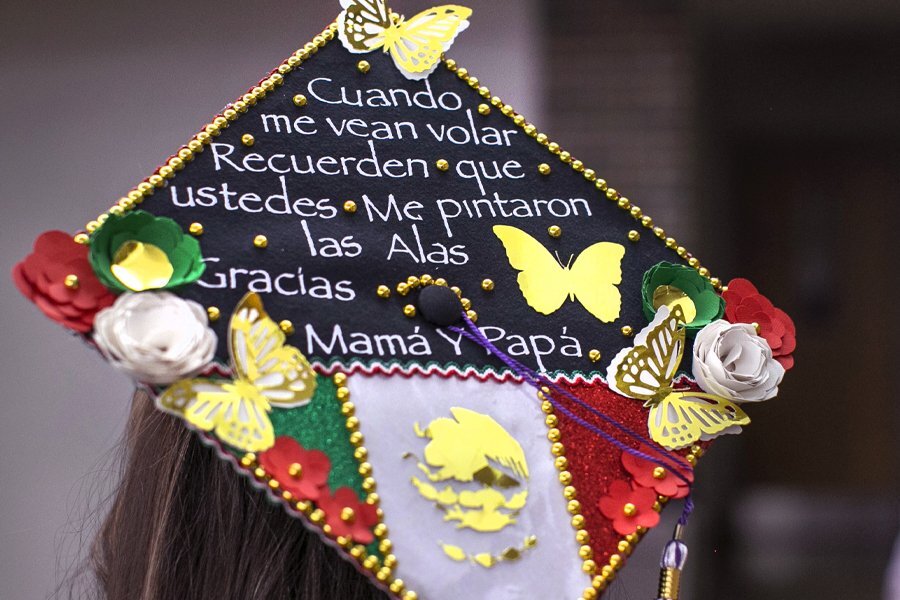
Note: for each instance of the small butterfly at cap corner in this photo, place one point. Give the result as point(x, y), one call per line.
point(646, 371)
point(267, 373)
point(416, 45)
point(546, 282)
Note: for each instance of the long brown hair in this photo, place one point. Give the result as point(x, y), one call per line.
point(183, 525)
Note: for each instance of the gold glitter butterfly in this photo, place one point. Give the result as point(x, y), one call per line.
point(267, 372)
point(415, 45)
point(678, 418)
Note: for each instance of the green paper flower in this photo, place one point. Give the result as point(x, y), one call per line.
point(673, 284)
point(138, 252)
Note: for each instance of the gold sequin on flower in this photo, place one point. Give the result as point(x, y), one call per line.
point(71, 282)
point(141, 266)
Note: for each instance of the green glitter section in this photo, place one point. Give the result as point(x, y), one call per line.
point(320, 425)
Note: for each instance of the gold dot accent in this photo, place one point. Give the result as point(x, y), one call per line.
point(409, 310)
point(295, 470)
point(659, 473)
point(348, 515)
point(300, 100)
point(487, 285)
point(213, 313)
point(260, 241)
point(82, 238)
point(594, 355)
point(634, 235)
point(473, 316)
point(349, 207)
point(403, 288)
point(71, 282)
point(544, 169)
point(196, 229)
point(629, 510)
point(248, 140)
point(287, 327)
point(383, 291)
point(627, 331)
point(554, 231)
point(484, 109)
point(442, 165)
point(363, 66)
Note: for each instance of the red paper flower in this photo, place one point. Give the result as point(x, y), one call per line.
point(744, 304)
point(58, 278)
point(347, 516)
point(629, 508)
point(303, 473)
point(647, 474)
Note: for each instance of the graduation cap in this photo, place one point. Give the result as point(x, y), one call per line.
point(417, 322)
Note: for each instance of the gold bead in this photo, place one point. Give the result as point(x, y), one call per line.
point(594, 355)
point(409, 310)
point(410, 595)
point(553, 147)
point(561, 463)
point(196, 229)
point(551, 420)
point(462, 73)
point(542, 139)
point(426, 279)
point(544, 169)
point(647, 222)
point(589, 566)
point(636, 212)
point(357, 439)
point(339, 378)
point(473, 316)
point(629, 510)
point(624, 203)
point(565, 156)
point(348, 409)
point(363, 66)
point(582, 536)
point(383, 291)
point(71, 282)
point(349, 207)
point(574, 507)
point(554, 435)
point(578, 165)
point(440, 281)
point(585, 552)
point(624, 546)
point(671, 243)
point(569, 492)
point(703, 271)
point(589, 594)
point(659, 232)
point(508, 110)
point(361, 453)
point(612, 194)
point(557, 449)
point(403, 288)
point(590, 174)
point(451, 64)
point(554, 231)
point(84, 239)
point(442, 165)
point(352, 424)
point(565, 477)
point(213, 313)
point(694, 262)
point(715, 281)
point(413, 282)
point(260, 241)
point(300, 100)
point(530, 130)
point(627, 331)
point(634, 236)
point(484, 109)
point(615, 561)
point(578, 521)
point(287, 327)
point(248, 140)
point(466, 303)
point(343, 392)
point(659, 473)
point(681, 251)
point(397, 586)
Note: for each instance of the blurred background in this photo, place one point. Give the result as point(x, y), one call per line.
point(765, 133)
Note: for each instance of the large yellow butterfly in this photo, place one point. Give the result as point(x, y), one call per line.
point(645, 372)
point(415, 45)
point(266, 371)
point(546, 282)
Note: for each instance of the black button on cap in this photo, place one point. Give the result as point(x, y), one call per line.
point(439, 306)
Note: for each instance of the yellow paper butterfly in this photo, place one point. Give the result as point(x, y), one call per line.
point(645, 372)
point(546, 282)
point(267, 372)
point(415, 45)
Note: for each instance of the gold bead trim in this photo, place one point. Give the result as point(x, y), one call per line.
point(382, 569)
point(578, 166)
point(627, 544)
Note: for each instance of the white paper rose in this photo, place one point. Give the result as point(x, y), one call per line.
point(155, 337)
point(731, 361)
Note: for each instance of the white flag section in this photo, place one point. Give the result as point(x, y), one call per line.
point(469, 488)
